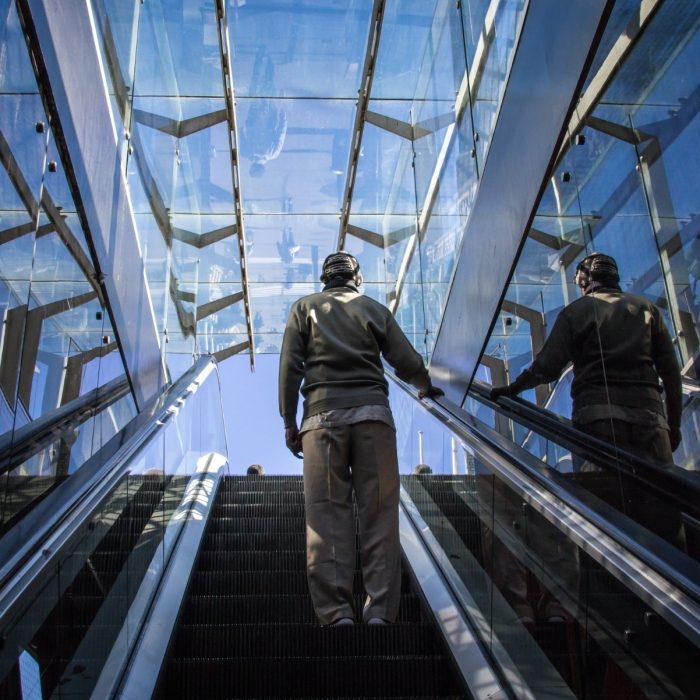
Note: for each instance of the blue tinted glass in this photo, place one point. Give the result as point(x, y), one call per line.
point(289, 248)
point(405, 40)
point(16, 75)
point(381, 263)
point(293, 154)
point(385, 181)
point(669, 44)
point(309, 48)
point(178, 50)
point(19, 115)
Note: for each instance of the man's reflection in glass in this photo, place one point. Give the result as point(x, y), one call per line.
point(265, 128)
point(287, 248)
point(619, 347)
point(623, 361)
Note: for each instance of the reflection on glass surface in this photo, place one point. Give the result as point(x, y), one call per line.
point(296, 73)
point(178, 161)
point(293, 154)
point(79, 618)
point(385, 182)
point(56, 341)
point(310, 48)
point(438, 63)
point(492, 29)
point(550, 613)
point(625, 185)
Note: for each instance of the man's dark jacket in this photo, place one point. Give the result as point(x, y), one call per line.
point(334, 341)
point(619, 347)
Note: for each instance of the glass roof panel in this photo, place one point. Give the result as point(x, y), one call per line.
point(17, 75)
point(214, 342)
point(670, 41)
point(306, 48)
point(622, 13)
point(43, 293)
point(293, 154)
point(17, 254)
point(289, 248)
point(271, 304)
point(18, 117)
point(381, 264)
point(54, 262)
point(192, 172)
point(404, 42)
point(385, 181)
point(178, 49)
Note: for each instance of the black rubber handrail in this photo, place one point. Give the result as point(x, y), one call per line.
point(678, 485)
point(672, 564)
point(18, 446)
point(25, 538)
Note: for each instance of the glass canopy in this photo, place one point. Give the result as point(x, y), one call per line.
point(260, 136)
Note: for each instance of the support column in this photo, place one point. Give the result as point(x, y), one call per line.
point(64, 39)
point(557, 42)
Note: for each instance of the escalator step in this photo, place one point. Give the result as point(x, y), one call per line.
point(246, 525)
point(271, 541)
point(283, 609)
point(268, 582)
point(304, 641)
point(267, 483)
point(248, 628)
point(381, 676)
point(262, 497)
point(258, 510)
point(255, 560)
point(252, 560)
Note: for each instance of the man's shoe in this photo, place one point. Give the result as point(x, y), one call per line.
point(342, 621)
point(377, 621)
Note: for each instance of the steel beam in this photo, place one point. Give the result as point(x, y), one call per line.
point(610, 66)
point(229, 96)
point(212, 307)
point(64, 44)
point(543, 85)
point(224, 354)
point(375, 31)
point(179, 128)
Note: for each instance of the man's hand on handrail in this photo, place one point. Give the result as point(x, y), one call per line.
point(432, 392)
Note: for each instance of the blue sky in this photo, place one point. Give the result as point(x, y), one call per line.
point(254, 427)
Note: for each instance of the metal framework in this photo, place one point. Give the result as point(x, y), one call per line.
point(375, 31)
point(229, 94)
point(545, 77)
point(181, 128)
point(83, 126)
point(609, 68)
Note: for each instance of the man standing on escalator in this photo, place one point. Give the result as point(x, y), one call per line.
point(333, 343)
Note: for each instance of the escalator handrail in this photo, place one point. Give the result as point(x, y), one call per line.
point(679, 485)
point(676, 569)
point(35, 544)
point(16, 447)
point(140, 651)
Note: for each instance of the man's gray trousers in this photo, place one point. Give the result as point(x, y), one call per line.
point(360, 457)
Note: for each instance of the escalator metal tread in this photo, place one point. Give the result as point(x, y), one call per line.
point(248, 629)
